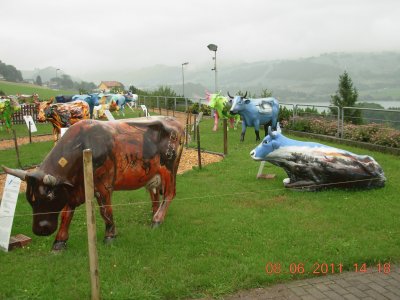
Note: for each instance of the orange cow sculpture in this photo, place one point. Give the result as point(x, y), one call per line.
point(61, 114)
point(127, 155)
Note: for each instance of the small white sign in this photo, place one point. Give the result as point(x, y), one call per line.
point(145, 110)
point(28, 119)
point(109, 116)
point(7, 209)
point(63, 130)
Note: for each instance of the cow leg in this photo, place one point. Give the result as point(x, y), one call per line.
point(266, 129)
point(168, 187)
point(103, 196)
point(257, 131)
point(55, 135)
point(231, 122)
point(243, 131)
point(215, 121)
point(60, 242)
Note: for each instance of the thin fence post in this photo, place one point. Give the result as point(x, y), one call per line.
point(198, 144)
point(225, 124)
point(187, 128)
point(30, 133)
point(91, 223)
point(16, 148)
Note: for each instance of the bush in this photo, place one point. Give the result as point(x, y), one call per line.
point(194, 109)
point(377, 134)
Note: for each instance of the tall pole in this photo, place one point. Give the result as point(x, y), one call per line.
point(215, 70)
point(183, 79)
point(213, 47)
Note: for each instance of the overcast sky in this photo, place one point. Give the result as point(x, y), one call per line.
point(79, 36)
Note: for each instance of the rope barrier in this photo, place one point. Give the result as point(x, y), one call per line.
point(206, 196)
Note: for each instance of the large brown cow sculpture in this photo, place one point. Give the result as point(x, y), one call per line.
point(61, 114)
point(127, 155)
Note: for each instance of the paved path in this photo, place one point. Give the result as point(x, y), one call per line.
point(349, 285)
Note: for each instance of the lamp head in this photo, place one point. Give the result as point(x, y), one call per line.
point(212, 47)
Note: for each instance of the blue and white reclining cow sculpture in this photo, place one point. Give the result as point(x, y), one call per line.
point(314, 166)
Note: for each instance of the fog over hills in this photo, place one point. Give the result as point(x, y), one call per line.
point(311, 79)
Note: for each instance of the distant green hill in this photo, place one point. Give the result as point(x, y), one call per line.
point(12, 88)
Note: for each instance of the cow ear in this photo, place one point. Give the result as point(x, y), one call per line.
point(278, 128)
point(51, 100)
point(247, 101)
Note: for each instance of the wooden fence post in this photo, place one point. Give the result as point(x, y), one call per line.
point(225, 124)
point(91, 223)
point(30, 133)
point(198, 144)
point(16, 148)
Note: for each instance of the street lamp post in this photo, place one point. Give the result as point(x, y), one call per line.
point(183, 79)
point(213, 47)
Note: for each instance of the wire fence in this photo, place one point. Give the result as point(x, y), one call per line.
point(368, 125)
point(228, 196)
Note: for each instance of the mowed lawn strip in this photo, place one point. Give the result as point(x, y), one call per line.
point(221, 230)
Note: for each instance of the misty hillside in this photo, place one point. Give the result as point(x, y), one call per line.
point(375, 75)
point(45, 74)
point(311, 79)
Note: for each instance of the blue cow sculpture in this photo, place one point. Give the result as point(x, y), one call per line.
point(64, 98)
point(255, 112)
point(313, 166)
point(91, 99)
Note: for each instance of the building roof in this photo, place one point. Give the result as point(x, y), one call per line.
point(111, 84)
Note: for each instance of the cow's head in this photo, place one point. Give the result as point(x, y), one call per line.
point(269, 144)
point(41, 108)
point(47, 195)
point(113, 105)
point(238, 103)
point(94, 99)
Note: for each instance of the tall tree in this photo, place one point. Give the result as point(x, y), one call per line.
point(38, 80)
point(346, 96)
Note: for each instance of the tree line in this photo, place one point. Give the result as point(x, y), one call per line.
point(10, 73)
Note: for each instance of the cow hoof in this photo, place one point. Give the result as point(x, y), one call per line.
point(108, 240)
point(155, 224)
point(59, 246)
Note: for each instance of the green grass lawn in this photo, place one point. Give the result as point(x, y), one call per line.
point(13, 88)
point(221, 230)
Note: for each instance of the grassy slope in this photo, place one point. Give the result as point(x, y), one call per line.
point(221, 230)
point(12, 88)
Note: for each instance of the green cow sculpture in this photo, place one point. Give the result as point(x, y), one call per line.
point(221, 106)
point(7, 108)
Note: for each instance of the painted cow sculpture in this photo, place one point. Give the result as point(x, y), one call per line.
point(127, 155)
point(91, 99)
point(64, 98)
point(118, 102)
point(221, 106)
point(313, 166)
point(7, 108)
point(61, 114)
point(255, 112)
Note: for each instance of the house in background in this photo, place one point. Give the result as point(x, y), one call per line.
point(107, 86)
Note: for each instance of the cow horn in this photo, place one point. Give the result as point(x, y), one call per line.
point(230, 96)
point(245, 95)
point(21, 174)
point(49, 180)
